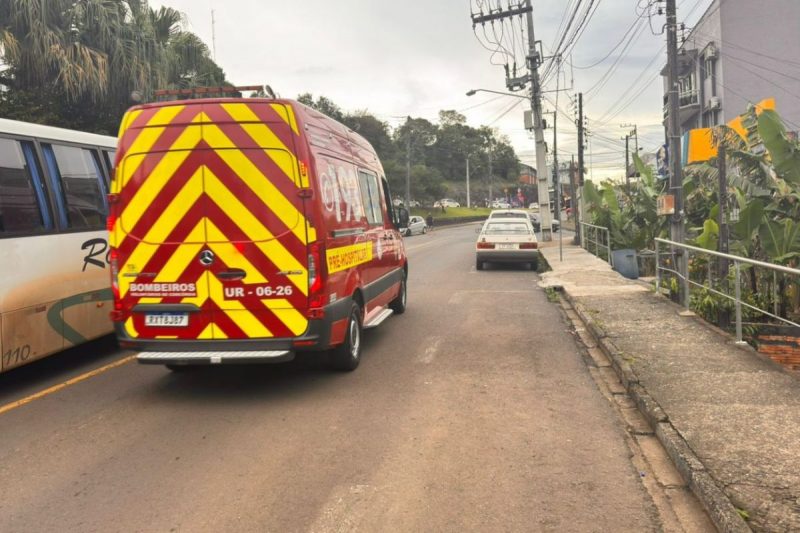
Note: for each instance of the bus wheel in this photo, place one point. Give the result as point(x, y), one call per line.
point(347, 355)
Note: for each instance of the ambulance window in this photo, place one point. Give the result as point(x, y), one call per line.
point(371, 196)
point(387, 196)
point(22, 201)
point(79, 185)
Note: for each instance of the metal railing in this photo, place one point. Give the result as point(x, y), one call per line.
point(591, 235)
point(737, 261)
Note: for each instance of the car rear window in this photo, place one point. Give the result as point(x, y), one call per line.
point(507, 228)
point(509, 214)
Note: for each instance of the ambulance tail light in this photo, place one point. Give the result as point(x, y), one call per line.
point(113, 259)
point(316, 298)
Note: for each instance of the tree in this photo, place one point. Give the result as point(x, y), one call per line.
point(75, 63)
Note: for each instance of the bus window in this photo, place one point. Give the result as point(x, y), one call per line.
point(22, 203)
point(110, 156)
point(79, 184)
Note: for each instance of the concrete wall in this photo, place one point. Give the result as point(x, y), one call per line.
point(758, 45)
point(770, 28)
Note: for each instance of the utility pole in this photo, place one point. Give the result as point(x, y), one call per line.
point(627, 164)
point(467, 181)
point(557, 187)
point(579, 207)
point(676, 172)
point(536, 107)
point(213, 37)
point(526, 8)
point(408, 163)
point(491, 178)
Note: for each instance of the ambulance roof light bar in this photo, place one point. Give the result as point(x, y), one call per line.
point(209, 92)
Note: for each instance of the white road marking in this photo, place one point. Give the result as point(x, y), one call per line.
point(430, 352)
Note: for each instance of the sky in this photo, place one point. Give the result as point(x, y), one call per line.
point(416, 57)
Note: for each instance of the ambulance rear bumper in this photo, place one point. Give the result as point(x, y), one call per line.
point(215, 357)
point(266, 350)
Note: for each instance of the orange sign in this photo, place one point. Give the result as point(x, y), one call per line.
point(665, 204)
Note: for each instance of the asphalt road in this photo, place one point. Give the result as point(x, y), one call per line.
point(473, 411)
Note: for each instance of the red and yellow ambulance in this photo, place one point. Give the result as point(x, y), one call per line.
point(248, 229)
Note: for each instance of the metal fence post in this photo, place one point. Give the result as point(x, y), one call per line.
point(774, 293)
point(658, 272)
point(686, 285)
point(738, 302)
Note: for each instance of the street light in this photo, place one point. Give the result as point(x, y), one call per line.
point(471, 92)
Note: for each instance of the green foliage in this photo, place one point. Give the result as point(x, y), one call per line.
point(437, 153)
point(630, 215)
point(75, 63)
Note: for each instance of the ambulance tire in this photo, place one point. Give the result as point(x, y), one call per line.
point(398, 305)
point(181, 369)
point(347, 355)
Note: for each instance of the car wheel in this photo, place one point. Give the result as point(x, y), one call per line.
point(347, 355)
point(408, 232)
point(398, 305)
point(478, 264)
point(424, 230)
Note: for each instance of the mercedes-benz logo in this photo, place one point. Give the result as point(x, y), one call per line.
point(206, 257)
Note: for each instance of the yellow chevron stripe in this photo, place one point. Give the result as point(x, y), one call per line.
point(143, 143)
point(254, 230)
point(130, 328)
point(217, 332)
point(207, 333)
point(291, 317)
point(144, 252)
point(260, 184)
point(287, 113)
point(263, 136)
point(239, 314)
point(160, 176)
point(127, 120)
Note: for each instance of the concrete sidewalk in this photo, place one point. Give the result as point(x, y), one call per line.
point(729, 418)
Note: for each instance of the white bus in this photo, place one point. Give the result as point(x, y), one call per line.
point(54, 286)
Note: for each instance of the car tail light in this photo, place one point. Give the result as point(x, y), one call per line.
point(315, 283)
point(485, 245)
point(528, 245)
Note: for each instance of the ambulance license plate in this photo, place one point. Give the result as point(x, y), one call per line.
point(167, 320)
point(506, 246)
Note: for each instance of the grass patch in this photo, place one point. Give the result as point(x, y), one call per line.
point(552, 295)
point(451, 212)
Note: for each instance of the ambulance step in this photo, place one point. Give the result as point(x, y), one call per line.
point(213, 357)
point(378, 319)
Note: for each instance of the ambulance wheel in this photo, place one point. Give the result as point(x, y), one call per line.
point(181, 369)
point(347, 355)
point(398, 305)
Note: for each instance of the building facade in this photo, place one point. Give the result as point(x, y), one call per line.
point(739, 52)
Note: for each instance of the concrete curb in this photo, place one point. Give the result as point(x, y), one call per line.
point(716, 503)
point(714, 500)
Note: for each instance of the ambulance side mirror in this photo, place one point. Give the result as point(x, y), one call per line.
point(402, 217)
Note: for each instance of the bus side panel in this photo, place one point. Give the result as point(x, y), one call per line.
point(28, 335)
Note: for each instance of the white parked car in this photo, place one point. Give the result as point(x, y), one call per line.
point(508, 213)
point(446, 202)
point(536, 220)
point(507, 240)
point(534, 205)
point(416, 225)
point(500, 204)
